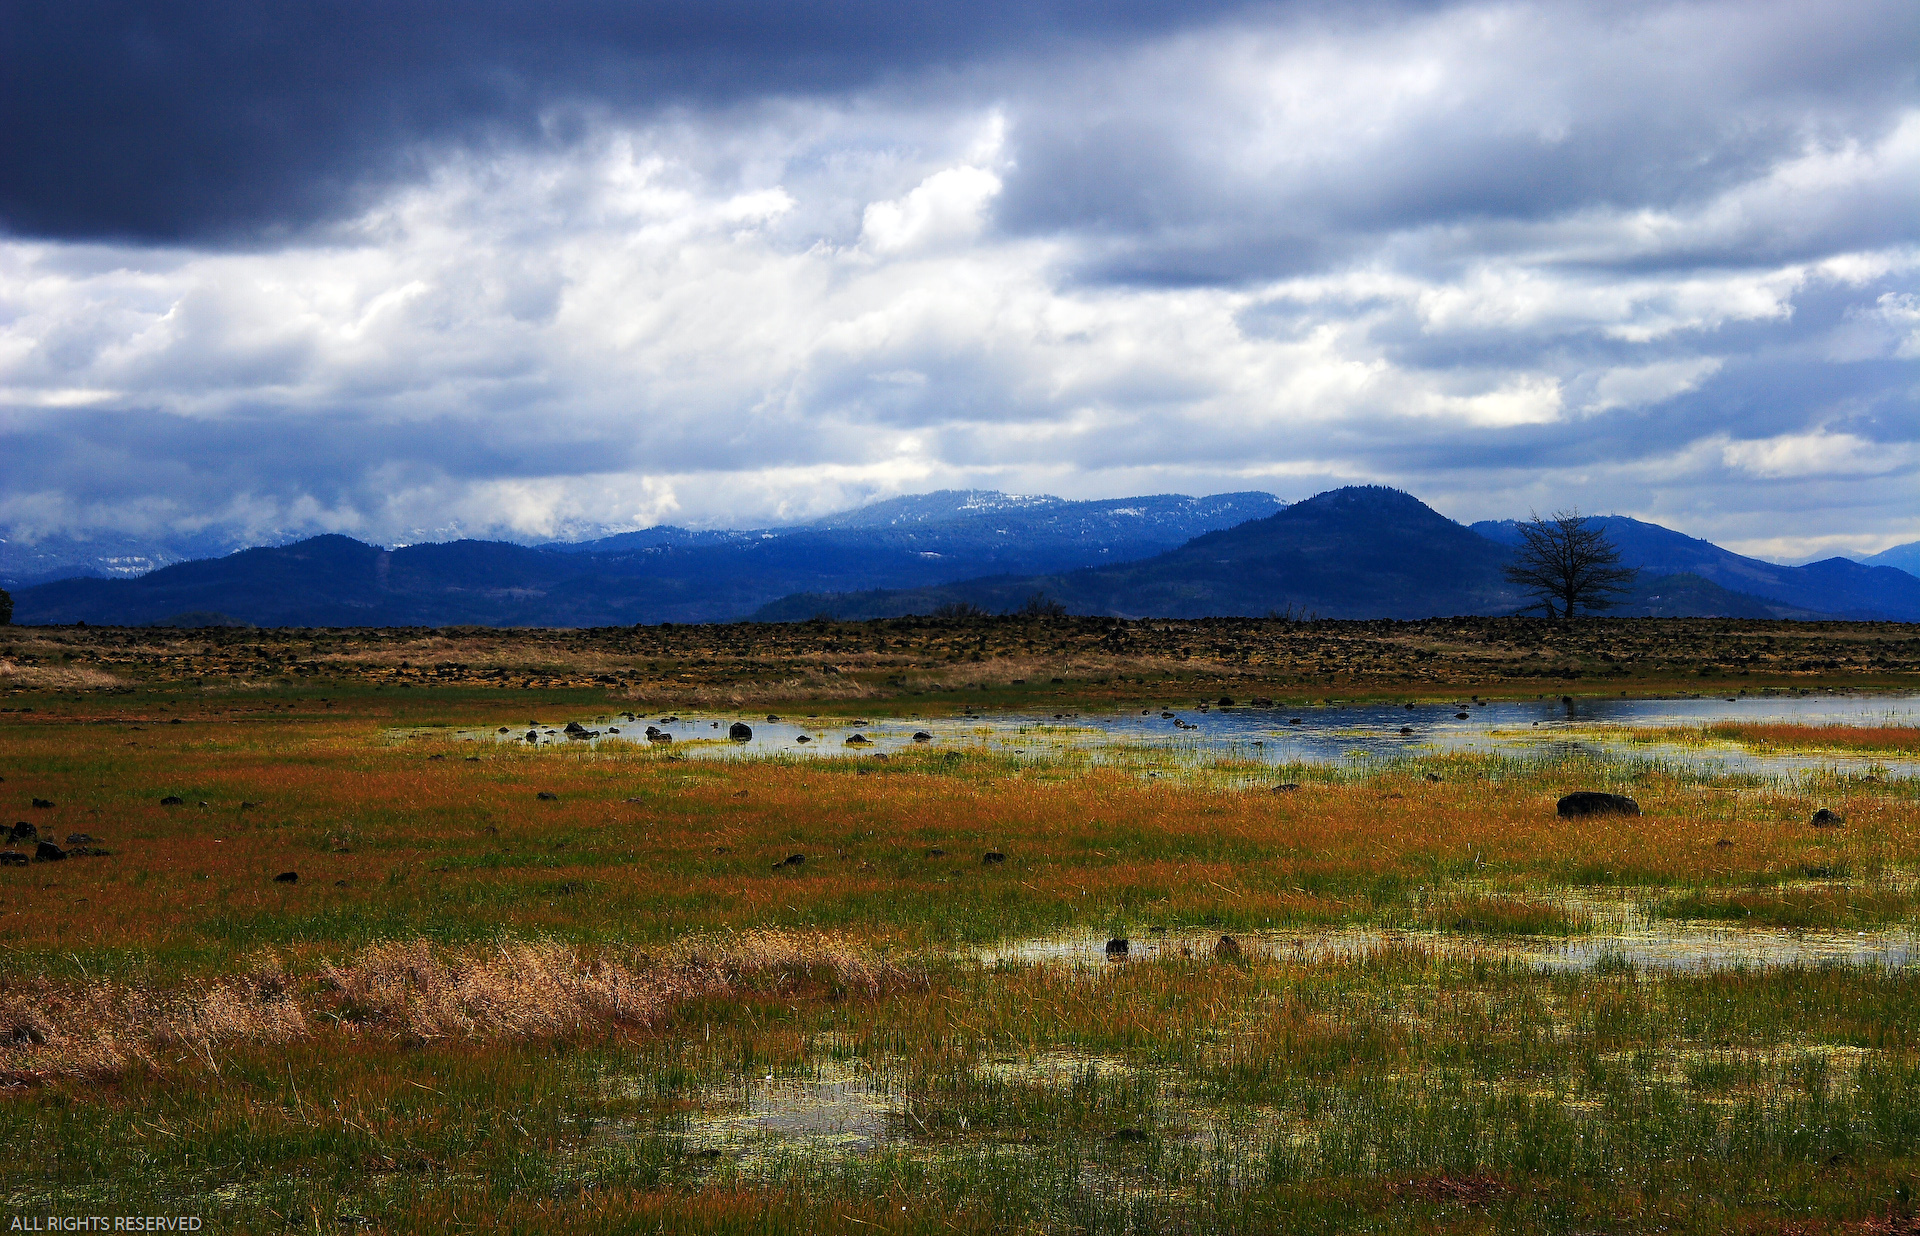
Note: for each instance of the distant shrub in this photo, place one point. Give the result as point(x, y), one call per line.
point(6, 607)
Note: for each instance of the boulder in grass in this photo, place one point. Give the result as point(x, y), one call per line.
point(1826, 818)
point(23, 831)
point(287, 877)
point(1595, 802)
point(991, 857)
point(44, 804)
point(12, 858)
point(47, 852)
point(173, 800)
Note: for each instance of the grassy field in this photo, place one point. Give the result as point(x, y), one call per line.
point(564, 988)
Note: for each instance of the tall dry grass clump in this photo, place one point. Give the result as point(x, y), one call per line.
point(99, 1030)
point(516, 989)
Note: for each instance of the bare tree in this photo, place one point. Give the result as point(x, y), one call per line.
point(1567, 562)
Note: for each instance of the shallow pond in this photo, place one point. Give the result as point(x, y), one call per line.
point(1284, 734)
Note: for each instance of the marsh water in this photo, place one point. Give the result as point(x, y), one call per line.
point(1326, 733)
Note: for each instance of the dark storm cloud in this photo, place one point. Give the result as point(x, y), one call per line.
point(223, 118)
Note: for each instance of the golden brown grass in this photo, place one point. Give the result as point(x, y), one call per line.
point(410, 990)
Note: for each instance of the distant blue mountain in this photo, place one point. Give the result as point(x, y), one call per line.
point(1901, 557)
point(1837, 586)
point(656, 575)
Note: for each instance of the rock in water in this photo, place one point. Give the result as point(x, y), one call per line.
point(740, 731)
point(859, 740)
point(1825, 818)
point(1595, 802)
point(1117, 947)
point(922, 736)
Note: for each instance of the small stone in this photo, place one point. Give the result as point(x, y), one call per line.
point(80, 839)
point(574, 727)
point(1825, 818)
point(803, 738)
point(47, 852)
point(547, 796)
point(922, 736)
point(1406, 729)
point(43, 803)
point(1459, 716)
point(12, 858)
point(287, 877)
point(1117, 947)
point(1286, 787)
point(859, 740)
point(1228, 949)
point(772, 717)
point(1595, 802)
point(244, 806)
point(173, 800)
point(991, 857)
point(936, 852)
point(659, 736)
point(1433, 778)
point(791, 860)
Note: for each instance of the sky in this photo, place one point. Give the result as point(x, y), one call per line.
point(412, 271)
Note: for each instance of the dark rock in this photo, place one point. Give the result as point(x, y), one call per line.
point(173, 800)
point(922, 736)
point(89, 851)
point(1594, 802)
point(1406, 729)
point(1409, 707)
point(533, 735)
point(740, 731)
point(859, 740)
point(547, 796)
point(1129, 1135)
point(991, 857)
point(1433, 778)
point(1286, 787)
point(859, 724)
point(1117, 947)
point(1722, 844)
point(936, 852)
point(502, 730)
point(791, 860)
point(251, 806)
point(574, 727)
point(47, 852)
point(1226, 700)
point(659, 736)
point(1228, 949)
point(1825, 818)
point(43, 803)
point(23, 831)
point(244, 806)
point(1459, 716)
point(12, 858)
point(773, 716)
point(287, 877)
point(80, 839)
point(1293, 720)
point(803, 738)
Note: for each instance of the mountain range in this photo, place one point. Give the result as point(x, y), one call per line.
point(1357, 552)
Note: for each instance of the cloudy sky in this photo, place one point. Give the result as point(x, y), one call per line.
point(412, 270)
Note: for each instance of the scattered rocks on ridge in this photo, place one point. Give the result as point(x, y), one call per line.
point(1595, 802)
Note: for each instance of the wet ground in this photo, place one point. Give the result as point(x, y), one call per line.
point(1329, 733)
